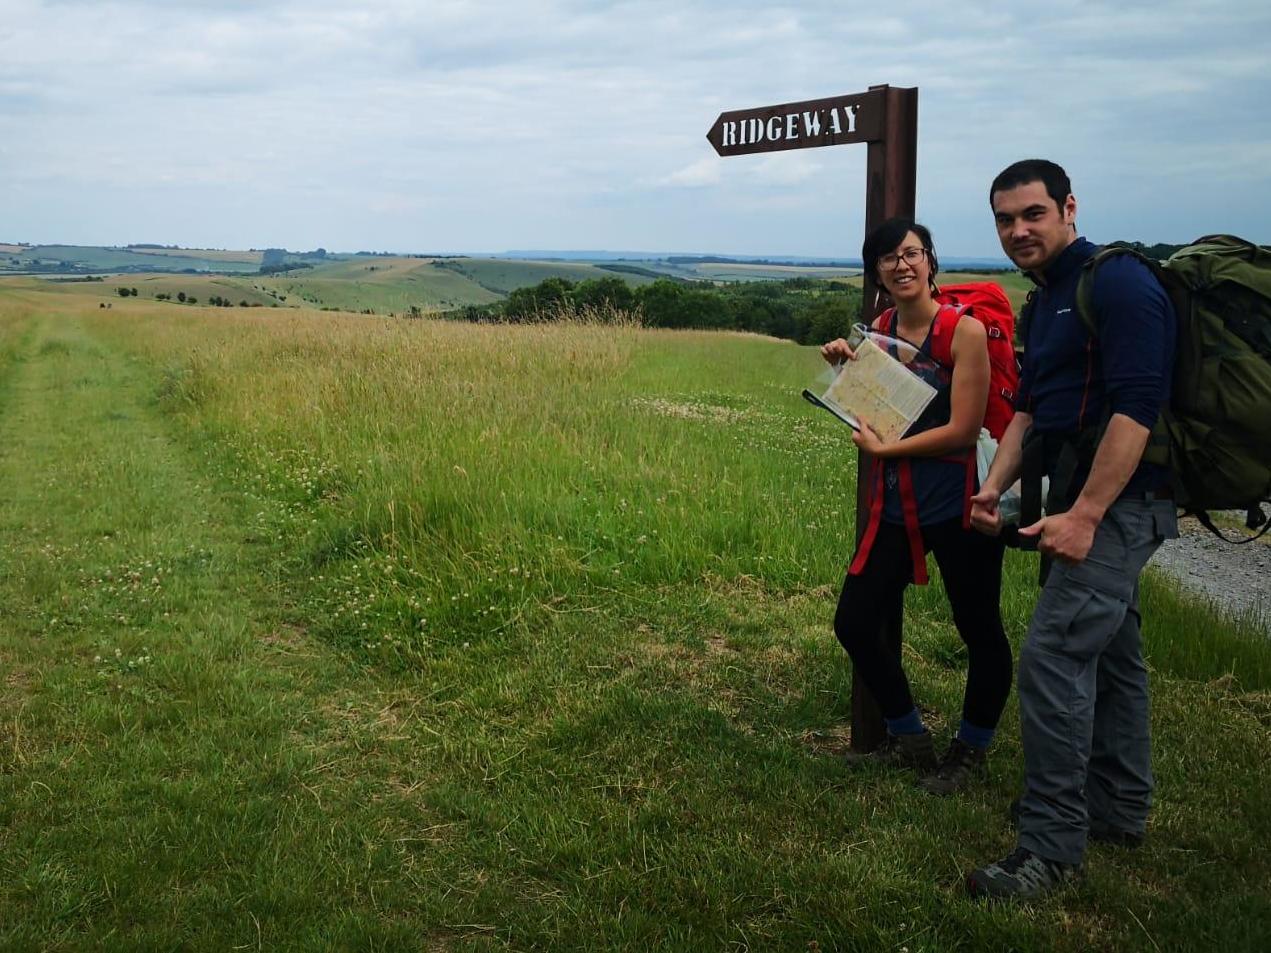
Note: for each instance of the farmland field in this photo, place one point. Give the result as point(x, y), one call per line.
point(341, 632)
point(248, 288)
point(725, 271)
point(393, 285)
point(202, 287)
point(384, 285)
point(753, 271)
point(205, 254)
point(96, 258)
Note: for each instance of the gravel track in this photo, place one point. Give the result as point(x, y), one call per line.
point(1235, 578)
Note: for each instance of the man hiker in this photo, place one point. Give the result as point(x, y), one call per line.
point(1086, 404)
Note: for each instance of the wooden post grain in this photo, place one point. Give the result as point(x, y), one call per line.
point(890, 190)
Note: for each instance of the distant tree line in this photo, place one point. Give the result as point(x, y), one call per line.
point(806, 310)
point(283, 266)
point(726, 260)
point(274, 260)
point(634, 270)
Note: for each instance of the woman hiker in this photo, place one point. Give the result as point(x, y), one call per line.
point(925, 480)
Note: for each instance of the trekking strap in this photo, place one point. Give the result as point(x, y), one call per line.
point(1204, 519)
point(913, 532)
point(1032, 468)
point(969, 491)
point(909, 503)
point(875, 517)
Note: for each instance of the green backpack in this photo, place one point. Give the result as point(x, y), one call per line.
point(1216, 434)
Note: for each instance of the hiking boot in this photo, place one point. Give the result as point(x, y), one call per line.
point(904, 751)
point(1099, 832)
point(961, 763)
point(1021, 875)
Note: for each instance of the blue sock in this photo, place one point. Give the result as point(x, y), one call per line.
point(910, 724)
point(975, 736)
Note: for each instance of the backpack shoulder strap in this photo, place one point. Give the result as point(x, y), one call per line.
point(942, 328)
point(1023, 322)
point(882, 322)
point(1085, 282)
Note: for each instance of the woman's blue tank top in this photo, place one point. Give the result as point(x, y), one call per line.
point(939, 484)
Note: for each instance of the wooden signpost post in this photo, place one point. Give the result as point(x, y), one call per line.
point(886, 118)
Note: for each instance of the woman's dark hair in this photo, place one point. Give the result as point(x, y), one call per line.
point(891, 233)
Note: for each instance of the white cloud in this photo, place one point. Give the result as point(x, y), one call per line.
point(703, 172)
point(783, 169)
point(555, 122)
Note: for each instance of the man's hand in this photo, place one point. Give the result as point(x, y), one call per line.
point(1065, 536)
point(984, 513)
point(837, 351)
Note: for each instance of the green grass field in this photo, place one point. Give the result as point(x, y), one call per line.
point(394, 285)
point(96, 258)
point(329, 632)
point(384, 285)
point(251, 289)
point(251, 258)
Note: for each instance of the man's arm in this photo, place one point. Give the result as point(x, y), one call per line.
point(1069, 536)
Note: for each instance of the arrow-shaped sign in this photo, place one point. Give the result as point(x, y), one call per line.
point(857, 117)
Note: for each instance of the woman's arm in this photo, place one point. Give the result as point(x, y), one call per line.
point(969, 395)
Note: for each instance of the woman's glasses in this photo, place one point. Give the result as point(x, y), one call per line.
point(910, 256)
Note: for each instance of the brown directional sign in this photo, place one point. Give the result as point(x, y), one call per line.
point(856, 117)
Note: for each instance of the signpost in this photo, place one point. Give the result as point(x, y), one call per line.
point(886, 119)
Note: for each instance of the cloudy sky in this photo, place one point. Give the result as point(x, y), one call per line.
point(445, 125)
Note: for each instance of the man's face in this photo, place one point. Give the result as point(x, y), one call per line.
point(1033, 230)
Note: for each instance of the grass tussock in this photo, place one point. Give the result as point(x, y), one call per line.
point(468, 476)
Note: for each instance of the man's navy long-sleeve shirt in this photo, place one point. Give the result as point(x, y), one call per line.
point(1071, 379)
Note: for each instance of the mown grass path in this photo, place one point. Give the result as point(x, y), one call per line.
point(185, 765)
point(167, 740)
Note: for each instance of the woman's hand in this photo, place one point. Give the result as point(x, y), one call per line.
point(837, 351)
point(984, 511)
point(868, 440)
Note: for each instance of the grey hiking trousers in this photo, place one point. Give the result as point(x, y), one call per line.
point(1083, 694)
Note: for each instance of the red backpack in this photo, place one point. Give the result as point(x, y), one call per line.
point(988, 304)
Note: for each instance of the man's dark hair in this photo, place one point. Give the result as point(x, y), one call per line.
point(1034, 170)
point(891, 233)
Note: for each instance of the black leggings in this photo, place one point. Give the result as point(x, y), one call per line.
point(971, 567)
